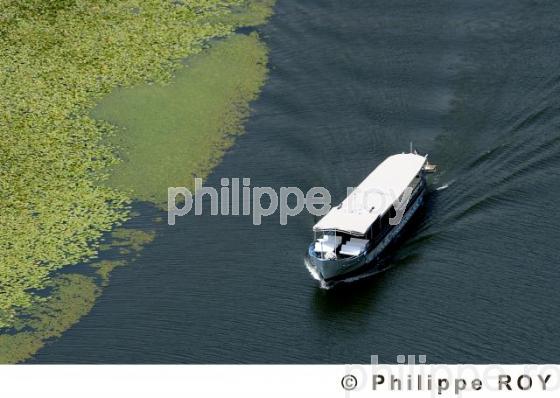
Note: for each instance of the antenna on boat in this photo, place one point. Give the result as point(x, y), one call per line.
point(410, 146)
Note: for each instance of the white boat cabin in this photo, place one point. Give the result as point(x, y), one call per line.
point(350, 228)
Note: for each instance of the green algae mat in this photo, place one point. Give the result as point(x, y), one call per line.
point(77, 145)
point(170, 133)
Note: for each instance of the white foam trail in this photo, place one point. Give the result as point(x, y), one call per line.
point(445, 186)
point(316, 276)
point(312, 271)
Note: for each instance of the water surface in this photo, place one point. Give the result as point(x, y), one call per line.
point(477, 86)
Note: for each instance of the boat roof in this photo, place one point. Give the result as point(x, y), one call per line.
point(374, 196)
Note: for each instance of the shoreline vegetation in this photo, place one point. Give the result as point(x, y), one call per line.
point(66, 178)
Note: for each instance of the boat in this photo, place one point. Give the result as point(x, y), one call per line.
point(352, 235)
point(430, 168)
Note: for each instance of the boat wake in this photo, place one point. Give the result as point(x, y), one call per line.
point(316, 276)
point(445, 186)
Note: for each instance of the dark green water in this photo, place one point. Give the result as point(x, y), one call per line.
point(474, 84)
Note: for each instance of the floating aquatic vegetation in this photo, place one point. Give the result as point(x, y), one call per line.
point(70, 296)
point(56, 59)
point(249, 13)
point(170, 133)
